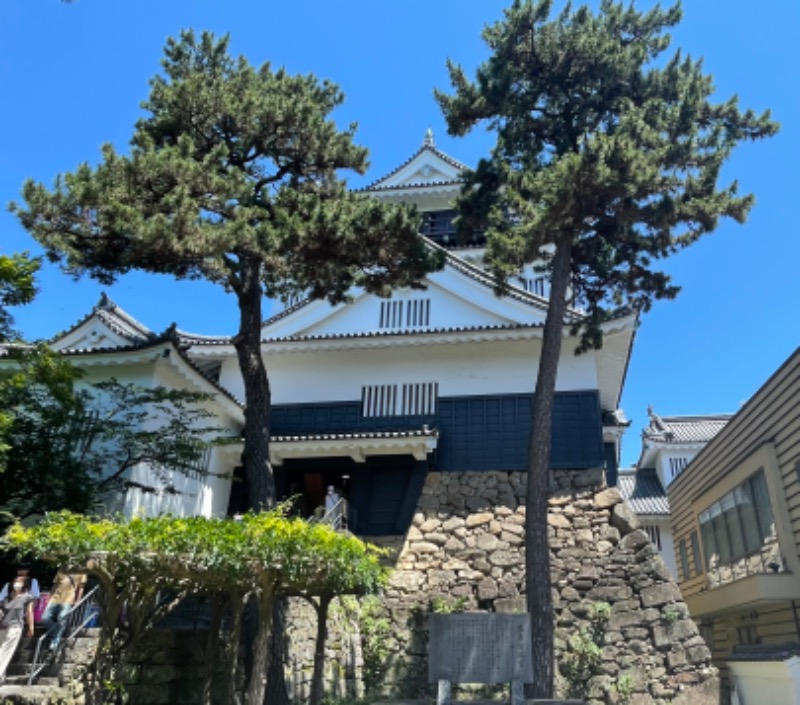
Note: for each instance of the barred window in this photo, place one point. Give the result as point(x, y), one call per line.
point(536, 285)
point(415, 313)
point(416, 399)
point(654, 534)
point(677, 466)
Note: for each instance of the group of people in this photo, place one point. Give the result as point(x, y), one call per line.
point(17, 600)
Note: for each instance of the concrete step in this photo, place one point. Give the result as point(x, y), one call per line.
point(17, 679)
point(33, 694)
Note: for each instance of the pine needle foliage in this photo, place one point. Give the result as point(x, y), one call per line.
point(601, 140)
point(234, 176)
point(17, 287)
point(607, 160)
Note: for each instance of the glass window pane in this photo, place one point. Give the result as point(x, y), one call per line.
point(733, 524)
point(758, 485)
point(749, 519)
point(707, 534)
point(721, 537)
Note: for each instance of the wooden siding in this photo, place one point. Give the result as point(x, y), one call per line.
point(477, 432)
point(772, 624)
point(772, 417)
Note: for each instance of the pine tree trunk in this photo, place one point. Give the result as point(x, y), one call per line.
point(255, 458)
point(261, 650)
point(319, 650)
point(537, 550)
point(277, 693)
point(231, 651)
point(212, 640)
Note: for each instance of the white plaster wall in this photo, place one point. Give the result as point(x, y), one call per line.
point(462, 369)
point(446, 311)
point(92, 334)
point(668, 547)
point(663, 468)
point(137, 374)
point(205, 496)
point(457, 300)
point(198, 495)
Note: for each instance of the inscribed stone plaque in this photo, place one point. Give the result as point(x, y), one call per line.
point(479, 648)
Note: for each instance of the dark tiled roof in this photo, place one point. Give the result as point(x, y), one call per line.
point(189, 339)
point(643, 492)
point(460, 265)
point(286, 312)
point(364, 435)
point(115, 318)
point(684, 429)
point(419, 184)
point(120, 321)
point(403, 333)
point(169, 336)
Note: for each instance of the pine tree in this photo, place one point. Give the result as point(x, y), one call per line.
point(607, 159)
point(17, 287)
point(232, 176)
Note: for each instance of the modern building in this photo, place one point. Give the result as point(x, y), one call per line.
point(736, 524)
point(668, 445)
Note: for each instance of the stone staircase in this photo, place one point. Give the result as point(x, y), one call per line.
point(50, 687)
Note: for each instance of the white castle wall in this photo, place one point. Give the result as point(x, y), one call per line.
point(462, 369)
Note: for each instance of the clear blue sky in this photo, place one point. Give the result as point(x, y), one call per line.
point(72, 77)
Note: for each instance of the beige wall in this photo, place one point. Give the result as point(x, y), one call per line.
point(748, 601)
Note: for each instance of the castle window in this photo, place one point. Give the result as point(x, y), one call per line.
point(418, 399)
point(414, 313)
point(439, 227)
point(536, 285)
point(677, 466)
point(654, 534)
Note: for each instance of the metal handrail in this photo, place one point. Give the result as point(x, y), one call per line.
point(336, 517)
point(79, 616)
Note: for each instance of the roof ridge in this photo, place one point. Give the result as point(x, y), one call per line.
point(424, 148)
point(200, 338)
point(106, 304)
point(168, 336)
point(484, 277)
point(678, 418)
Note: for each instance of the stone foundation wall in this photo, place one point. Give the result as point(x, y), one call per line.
point(343, 657)
point(465, 550)
point(167, 669)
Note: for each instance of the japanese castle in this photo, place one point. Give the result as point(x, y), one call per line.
point(373, 395)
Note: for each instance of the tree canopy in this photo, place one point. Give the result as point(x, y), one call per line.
point(70, 445)
point(234, 176)
point(150, 565)
point(600, 141)
point(17, 287)
point(607, 160)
